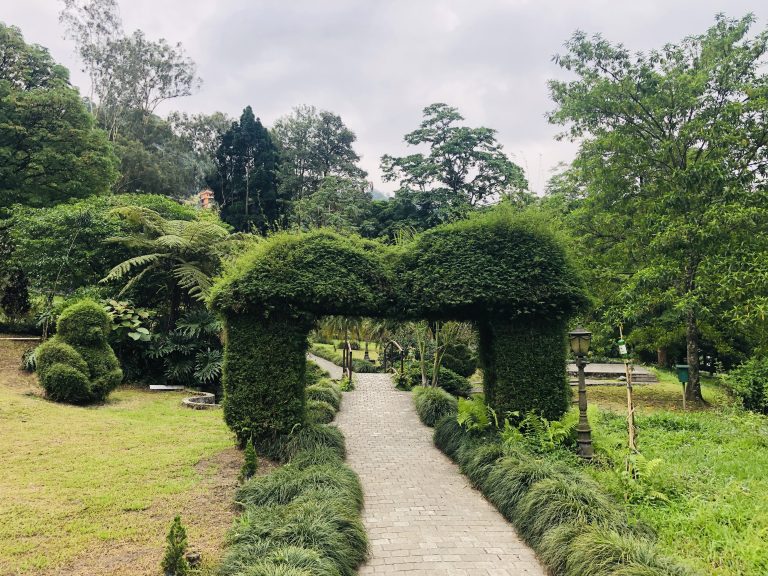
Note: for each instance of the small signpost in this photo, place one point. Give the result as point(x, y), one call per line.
point(682, 375)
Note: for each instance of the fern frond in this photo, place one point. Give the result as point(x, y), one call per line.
point(126, 266)
point(192, 279)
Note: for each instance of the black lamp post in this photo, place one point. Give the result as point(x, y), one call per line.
point(579, 340)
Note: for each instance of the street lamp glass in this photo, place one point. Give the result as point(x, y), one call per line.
point(579, 340)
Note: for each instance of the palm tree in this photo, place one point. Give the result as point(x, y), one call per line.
point(184, 254)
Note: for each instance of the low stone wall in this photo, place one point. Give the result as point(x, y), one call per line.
point(201, 401)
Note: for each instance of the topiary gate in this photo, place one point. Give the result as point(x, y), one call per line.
point(502, 271)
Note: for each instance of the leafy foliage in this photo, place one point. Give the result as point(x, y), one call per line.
point(749, 383)
point(670, 179)
point(465, 168)
point(37, 106)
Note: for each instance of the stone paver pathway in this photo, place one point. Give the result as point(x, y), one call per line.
point(421, 514)
point(335, 371)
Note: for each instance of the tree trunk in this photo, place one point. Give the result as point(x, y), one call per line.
point(175, 304)
point(661, 358)
point(693, 387)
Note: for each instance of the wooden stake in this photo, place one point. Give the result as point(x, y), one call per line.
point(631, 428)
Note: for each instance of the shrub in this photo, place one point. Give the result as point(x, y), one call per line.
point(325, 391)
point(174, 562)
point(363, 366)
point(459, 359)
point(77, 365)
point(432, 404)
point(320, 412)
point(251, 463)
point(749, 383)
point(447, 380)
point(264, 367)
point(451, 382)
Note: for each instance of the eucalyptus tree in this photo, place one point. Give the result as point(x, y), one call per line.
point(673, 158)
point(464, 169)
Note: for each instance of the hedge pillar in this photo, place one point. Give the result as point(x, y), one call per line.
point(264, 366)
point(524, 366)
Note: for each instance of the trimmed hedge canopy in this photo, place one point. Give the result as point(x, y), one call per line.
point(500, 267)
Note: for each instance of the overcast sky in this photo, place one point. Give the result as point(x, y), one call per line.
point(378, 63)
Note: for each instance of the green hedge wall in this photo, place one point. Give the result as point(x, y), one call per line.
point(318, 272)
point(501, 269)
point(523, 365)
point(264, 373)
point(500, 263)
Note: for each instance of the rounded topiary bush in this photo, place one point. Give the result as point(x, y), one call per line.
point(432, 404)
point(459, 359)
point(77, 366)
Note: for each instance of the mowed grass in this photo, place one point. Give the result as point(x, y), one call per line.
point(74, 479)
point(714, 471)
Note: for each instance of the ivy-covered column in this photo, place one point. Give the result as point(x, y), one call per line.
point(523, 363)
point(263, 375)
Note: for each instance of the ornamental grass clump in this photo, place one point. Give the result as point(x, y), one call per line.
point(448, 435)
point(599, 551)
point(289, 483)
point(310, 437)
point(330, 527)
point(319, 412)
point(560, 500)
point(325, 391)
point(432, 404)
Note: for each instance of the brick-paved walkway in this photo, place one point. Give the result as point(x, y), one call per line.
point(421, 514)
point(335, 371)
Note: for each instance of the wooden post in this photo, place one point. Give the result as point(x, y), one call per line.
point(631, 428)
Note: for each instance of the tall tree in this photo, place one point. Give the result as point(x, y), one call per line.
point(313, 145)
point(50, 150)
point(675, 153)
point(245, 183)
point(339, 203)
point(128, 72)
point(465, 168)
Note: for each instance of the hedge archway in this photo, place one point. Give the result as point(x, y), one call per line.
point(501, 270)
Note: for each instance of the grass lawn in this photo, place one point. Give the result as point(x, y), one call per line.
point(373, 352)
point(714, 471)
point(93, 490)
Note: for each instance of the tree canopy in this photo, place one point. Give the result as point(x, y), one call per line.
point(464, 169)
point(50, 150)
point(673, 165)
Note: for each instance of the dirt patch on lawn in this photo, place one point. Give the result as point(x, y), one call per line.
point(207, 512)
point(11, 374)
